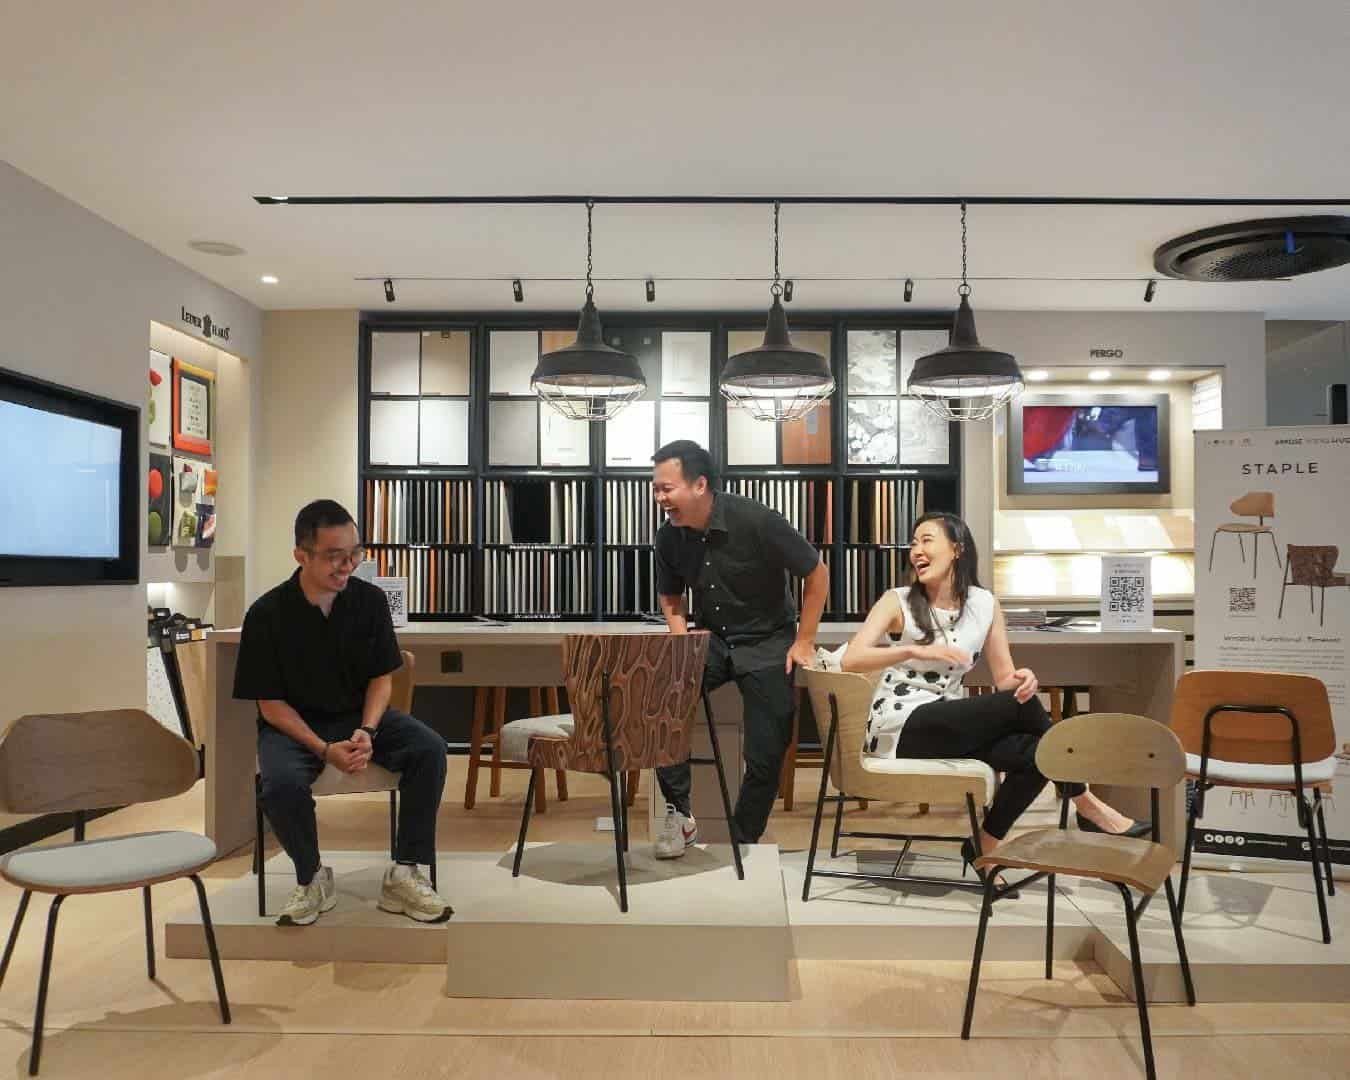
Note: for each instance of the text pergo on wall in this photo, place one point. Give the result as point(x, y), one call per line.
point(205, 324)
point(1106, 354)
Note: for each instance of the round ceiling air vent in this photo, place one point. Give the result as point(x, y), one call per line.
point(215, 247)
point(1263, 250)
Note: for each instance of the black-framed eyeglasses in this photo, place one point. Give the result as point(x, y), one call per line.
point(340, 557)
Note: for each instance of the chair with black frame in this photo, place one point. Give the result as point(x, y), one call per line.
point(845, 699)
point(1096, 748)
point(1257, 504)
point(1313, 566)
point(633, 701)
point(1235, 735)
point(333, 781)
point(77, 762)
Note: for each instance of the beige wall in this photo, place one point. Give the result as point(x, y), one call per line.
point(77, 297)
point(306, 430)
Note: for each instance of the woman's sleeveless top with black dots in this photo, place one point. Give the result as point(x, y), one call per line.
point(904, 687)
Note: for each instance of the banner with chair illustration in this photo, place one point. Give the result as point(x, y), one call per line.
point(1272, 593)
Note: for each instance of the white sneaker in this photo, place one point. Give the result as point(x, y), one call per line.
point(307, 902)
point(407, 891)
point(677, 833)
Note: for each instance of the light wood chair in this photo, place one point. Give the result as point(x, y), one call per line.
point(846, 698)
point(333, 781)
point(799, 757)
point(1257, 504)
point(633, 700)
point(1096, 748)
point(1260, 730)
point(489, 717)
point(89, 761)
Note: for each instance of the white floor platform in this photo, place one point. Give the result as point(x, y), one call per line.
point(693, 932)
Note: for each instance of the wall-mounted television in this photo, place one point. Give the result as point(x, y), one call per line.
point(1089, 443)
point(69, 486)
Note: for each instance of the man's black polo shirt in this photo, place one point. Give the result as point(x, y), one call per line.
point(739, 571)
point(319, 666)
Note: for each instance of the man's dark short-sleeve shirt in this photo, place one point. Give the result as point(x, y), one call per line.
point(739, 571)
point(289, 651)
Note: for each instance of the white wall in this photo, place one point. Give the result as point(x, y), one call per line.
point(1298, 374)
point(77, 297)
point(1235, 343)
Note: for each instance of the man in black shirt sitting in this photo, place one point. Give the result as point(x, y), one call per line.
point(317, 653)
point(736, 554)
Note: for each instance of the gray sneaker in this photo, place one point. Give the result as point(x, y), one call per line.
point(411, 894)
point(307, 902)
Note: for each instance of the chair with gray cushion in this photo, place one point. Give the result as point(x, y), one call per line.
point(76, 762)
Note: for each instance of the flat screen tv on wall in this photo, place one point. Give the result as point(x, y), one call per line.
point(69, 486)
point(1089, 444)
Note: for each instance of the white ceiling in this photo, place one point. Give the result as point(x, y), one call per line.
point(166, 117)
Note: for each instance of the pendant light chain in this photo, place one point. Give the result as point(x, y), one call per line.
point(776, 289)
point(964, 289)
point(590, 207)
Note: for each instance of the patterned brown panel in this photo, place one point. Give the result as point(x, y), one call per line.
point(1314, 565)
point(655, 681)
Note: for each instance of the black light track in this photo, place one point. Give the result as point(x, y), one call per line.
point(792, 200)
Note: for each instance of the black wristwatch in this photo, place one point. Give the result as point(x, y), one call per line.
point(372, 732)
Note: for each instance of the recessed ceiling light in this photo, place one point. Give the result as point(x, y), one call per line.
point(1039, 375)
point(215, 247)
point(1099, 375)
point(279, 198)
point(269, 279)
point(1159, 375)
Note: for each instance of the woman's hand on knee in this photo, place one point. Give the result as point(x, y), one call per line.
point(1026, 686)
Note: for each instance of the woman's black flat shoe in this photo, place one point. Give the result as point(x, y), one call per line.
point(1138, 829)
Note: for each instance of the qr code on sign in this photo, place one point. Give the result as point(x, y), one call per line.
point(1125, 594)
point(1242, 600)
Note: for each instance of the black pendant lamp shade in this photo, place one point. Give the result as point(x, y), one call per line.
point(588, 380)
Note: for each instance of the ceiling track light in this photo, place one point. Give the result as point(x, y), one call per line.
point(651, 291)
point(389, 290)
point(588, 380)
point(776, 381)
point(787, 291)
point(1149, 290)
point(966, 380)
point(518, 291)
point(909, 290)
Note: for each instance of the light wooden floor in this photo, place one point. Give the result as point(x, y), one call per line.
point(106, 1019)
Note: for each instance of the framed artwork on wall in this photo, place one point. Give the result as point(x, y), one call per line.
point(193, 389)
point(160, 500)
point(157, 406)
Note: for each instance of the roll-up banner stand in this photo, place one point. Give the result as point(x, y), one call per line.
point(1259, 494)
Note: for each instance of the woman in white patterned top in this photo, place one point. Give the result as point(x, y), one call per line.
point(938, 627)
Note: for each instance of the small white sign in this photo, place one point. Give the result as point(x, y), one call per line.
point(396, 592)
point(1127, 592)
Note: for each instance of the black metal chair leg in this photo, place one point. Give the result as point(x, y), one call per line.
point(1307, 816)
point(622, 823)
point(1326, 845)
point(1137, 966)
point(1212, 539)
point(616, 804)
point(1050, 927)
point(211, 949)
point(838, 824)
point(258, 846)
point(1186, 856)
point(722, 784)
point(1181, 943)
point(525, 821)
point(149, 935)
point(393, 826)
point(35, 1054)
point(820, 806)
point(14, 932)
point(433, 871)
point(986, 909)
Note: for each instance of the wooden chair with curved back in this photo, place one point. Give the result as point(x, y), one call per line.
point(76, 762)
point(1259, 730)
point(633, 701)
point(333, 781)
point(1255, 504)
point(845, 698)
point(1096, 748)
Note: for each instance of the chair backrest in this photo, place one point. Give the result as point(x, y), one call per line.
point(57, 762)
point(1254, 504)
point(1312, 564)
point(853, 697)
point(1112, 748)
point(401, 696)
point(1254, 735)
point(655, 682)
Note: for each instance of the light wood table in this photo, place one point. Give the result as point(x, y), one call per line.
point(1125, 671)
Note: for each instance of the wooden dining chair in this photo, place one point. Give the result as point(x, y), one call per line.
point(1264, 730)
point(77, 762)
point(1096, 748)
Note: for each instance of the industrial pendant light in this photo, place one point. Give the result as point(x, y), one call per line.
point(777, 381)
point(965, 381)
point(588, 380)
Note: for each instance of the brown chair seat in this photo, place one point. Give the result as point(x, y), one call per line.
point(1243, 527)
point(1128, 860)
